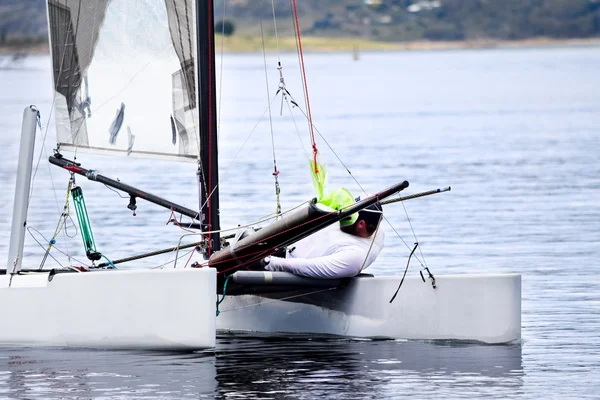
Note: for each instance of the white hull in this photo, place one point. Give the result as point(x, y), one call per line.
point(137, 309)
point(484, 308)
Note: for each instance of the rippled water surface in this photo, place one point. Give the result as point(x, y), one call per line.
point(516, 133)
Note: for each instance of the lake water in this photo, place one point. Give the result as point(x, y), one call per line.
point(516, 133)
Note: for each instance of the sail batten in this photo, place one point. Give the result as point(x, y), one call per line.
point(124, 76)
point(136, 154)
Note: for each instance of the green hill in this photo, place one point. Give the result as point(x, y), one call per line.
point(409, 20)
point(23, 17)
point(24, 21)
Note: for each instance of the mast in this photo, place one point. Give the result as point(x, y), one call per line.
point(19, 220)
point(208, 174)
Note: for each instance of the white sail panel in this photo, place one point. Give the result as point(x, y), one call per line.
point(124, 76)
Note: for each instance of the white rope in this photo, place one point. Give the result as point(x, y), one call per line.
point(275, 171)
point(276, 34)
point(173, 260)
point(30, 228)
point(364, 191)
point(415, 236)
point(221, 63)
point(306, 153)
point(373, 236)
point(249, 225)
point(299, 63)
point(226, 169)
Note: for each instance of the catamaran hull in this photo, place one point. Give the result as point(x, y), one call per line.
point(485, 308)
point(135, 309)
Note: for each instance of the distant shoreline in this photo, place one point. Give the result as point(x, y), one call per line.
point(26, 50)
point(501, 44)
point(253, 44)
point(247, 44)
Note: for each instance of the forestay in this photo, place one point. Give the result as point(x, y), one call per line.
point(124, 76)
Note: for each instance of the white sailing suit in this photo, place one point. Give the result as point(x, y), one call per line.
point(329, 254)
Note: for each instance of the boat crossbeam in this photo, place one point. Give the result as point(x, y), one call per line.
point(92, 175)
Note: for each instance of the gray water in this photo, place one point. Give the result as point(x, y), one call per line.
point(516, 133)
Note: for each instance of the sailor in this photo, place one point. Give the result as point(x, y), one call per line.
point(337, 251)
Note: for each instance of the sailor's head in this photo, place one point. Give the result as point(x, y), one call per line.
point(366, 222)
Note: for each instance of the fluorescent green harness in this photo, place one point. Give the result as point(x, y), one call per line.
point(337, 199)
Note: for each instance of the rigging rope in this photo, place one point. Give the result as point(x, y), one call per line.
point(190, 257)
point(405, 271)
point(170, 261)
point(228, 168)
point(61, 222)
point(415, 236)
point(276, 34)
point(275, 170)
point(30, 229)
point(85, 227)
point(373, 237)
point(295, 125)
point(224, 294)
point(281, 87)
point(44, 133)
point(84, 222)
point(363, 190)
point(173, 218)
point(264, 251)
point(303, 72)
point(65, 215)
point(221, 63)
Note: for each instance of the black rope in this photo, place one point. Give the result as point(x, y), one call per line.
point(405, 271)
point(430, 276)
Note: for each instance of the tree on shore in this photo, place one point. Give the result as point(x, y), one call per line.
point(226, 27)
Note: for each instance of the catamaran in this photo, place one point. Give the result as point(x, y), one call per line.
point(137, 79)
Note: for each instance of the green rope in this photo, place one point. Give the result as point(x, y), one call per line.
point(224, 294)
point(109, 261)
point(84, 221)
point(85, 227)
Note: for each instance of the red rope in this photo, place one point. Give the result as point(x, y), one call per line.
point(191, 254)
point(173, 218)
point(312, 131)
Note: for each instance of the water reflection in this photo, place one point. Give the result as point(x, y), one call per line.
point(245, 366)
point(76, 374)
point(302, 367)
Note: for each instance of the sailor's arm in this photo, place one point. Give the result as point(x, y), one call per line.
point(342, 264)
